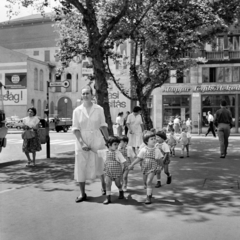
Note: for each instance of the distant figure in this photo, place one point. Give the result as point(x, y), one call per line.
point(119, 122)
point(210, 119)
point(172, 142)
point(223, 122)
point(189, 125)
point(176, 124)
point(170, 125)
point(125, 123)
point(184, 140)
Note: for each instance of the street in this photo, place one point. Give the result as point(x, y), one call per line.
point(202, 202)
point(59, 142)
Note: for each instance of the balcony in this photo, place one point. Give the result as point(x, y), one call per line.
point(214, 55)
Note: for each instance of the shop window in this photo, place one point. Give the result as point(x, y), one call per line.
point(212, 75)
point(236, 74)
point(69, 79)
point(58, 79)
point(35, 79)
point(205, 75)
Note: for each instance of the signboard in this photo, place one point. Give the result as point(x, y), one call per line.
point(14, 97)
point(64, 84)
point(16, 80)
point(203, 88)
point(87, 71)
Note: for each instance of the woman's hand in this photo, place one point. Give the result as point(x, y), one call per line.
point(85, 147)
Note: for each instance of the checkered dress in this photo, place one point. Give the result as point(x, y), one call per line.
point(112, 168)
point(149, 163)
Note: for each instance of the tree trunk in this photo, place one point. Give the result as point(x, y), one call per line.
point(145, 114)
point(101, 85)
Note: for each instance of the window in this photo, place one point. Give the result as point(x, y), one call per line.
point(77, 83)
point(35, 79)
point(69, 79)
point(236, 74)
point(220, 74)
point(47, 55)
point(212, 75)
point(41, 80)
point(56, 57)
point(58, 79)
point(179, 77)
point(35, 53)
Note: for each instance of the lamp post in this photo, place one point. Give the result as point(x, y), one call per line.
point(66, 101)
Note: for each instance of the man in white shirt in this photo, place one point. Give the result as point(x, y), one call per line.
point(210, 119)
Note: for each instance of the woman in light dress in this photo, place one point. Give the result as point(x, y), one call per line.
point(135, 128)
point(88, 123)
point(33, 145)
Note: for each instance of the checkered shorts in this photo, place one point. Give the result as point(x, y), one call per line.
point(112, 168)
point(149, 163)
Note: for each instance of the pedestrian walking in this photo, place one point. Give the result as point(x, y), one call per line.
point(189, 125)
point(172, 142)
point(88, 126)
point(176, 124)
point(113, 160)
point(184, 140)
point(161, 137)
point(129, 155)
point(224, 123)
point(151, 162)
point(31, 136)
point(210, 119)
point(135, 128)
point(170, 125)
point(125, 123)
point(119, 122)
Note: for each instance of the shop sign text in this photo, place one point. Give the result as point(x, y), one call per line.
point(114, 100)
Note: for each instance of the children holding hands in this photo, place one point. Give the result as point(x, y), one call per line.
point(151, 158)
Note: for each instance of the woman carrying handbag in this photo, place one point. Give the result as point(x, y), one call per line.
point(31, 137)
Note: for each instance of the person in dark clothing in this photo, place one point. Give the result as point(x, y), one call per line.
point(211, 126)
point(125, 123)
point(223, 122)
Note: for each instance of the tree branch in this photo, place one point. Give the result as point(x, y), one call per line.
point(79, 6)
point(116, 83)
point(113, 21)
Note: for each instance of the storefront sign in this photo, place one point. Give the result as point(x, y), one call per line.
point(16, 80)
point(14, 97)
point(203, 88)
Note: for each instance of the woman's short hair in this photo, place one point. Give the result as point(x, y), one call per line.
point(33, 110)
point(88, 87)
point(148, 135)
point(137, 109)
point(120, 114)
point(112, 139)
point(124, 139)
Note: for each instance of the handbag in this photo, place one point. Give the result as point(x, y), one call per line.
point(28, 134)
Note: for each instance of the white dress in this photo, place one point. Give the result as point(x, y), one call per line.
point(135, 138)
point(87, 163)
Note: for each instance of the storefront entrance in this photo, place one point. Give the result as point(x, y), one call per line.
point(65, 108)
point(173, 106)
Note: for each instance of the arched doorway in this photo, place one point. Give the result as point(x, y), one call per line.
point(65, 107)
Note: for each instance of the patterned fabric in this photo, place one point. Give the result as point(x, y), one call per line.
point(112, 168)
point(33, 144)
point(124, 152)
point(149, 163)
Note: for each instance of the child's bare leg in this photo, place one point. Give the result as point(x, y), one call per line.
point(187, 148)
point(158, 185)
point(182, 151)
point(169, 176)
point(125, 179)
point(108, 182)
point(119, 185)
point(145, 181)
point(150, 177)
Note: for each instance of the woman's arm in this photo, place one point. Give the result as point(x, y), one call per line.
point(104, 131)
point(78, 135)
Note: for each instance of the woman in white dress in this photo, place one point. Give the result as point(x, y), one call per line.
point(119, 122)
point(135, 128)
point(88, 122)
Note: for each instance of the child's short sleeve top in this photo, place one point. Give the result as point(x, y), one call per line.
point(163, 147)
point(142, 153)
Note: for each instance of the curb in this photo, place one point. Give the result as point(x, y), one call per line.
point(6, 164)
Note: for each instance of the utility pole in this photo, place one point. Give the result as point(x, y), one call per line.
point(47, 126)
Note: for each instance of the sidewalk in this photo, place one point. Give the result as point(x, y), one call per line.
point(202, 202)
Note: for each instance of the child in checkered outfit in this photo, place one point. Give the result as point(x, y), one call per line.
point(151, 162)
point(113, 160)
point(128, 154)
point(164, 148)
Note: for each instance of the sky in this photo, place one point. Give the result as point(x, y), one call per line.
point(22, 12)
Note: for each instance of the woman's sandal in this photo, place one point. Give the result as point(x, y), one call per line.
point(28, 164)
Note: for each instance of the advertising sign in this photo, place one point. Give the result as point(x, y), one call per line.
point(16, 80)
point(14, 97)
